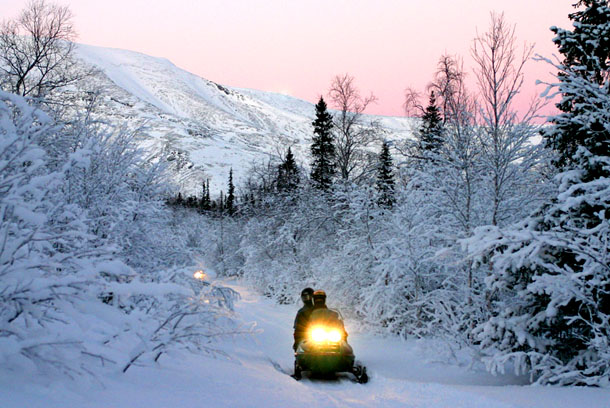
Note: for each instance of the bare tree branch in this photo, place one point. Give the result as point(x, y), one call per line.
point(412, 104)
point(36, 50)
point(505, 138)
point(353, 135)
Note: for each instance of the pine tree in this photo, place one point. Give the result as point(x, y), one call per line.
point(323, 167)
point(585, 65)
point(551, 273)
point(288, 177)
point(204, 204)
point(207, 194)
point(431, 130)
point(385, 178)
point(230, 200)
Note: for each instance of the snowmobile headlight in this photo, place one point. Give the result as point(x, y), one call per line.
point(200, 275)
point(318, 334)
point(322, 334)
point(334, 336)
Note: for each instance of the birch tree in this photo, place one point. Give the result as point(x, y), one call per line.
point(353, 133)
point(505, 136)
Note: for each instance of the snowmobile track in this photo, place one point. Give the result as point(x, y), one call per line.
point(278, 367)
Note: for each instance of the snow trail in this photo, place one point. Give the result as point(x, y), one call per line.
point(258, 375)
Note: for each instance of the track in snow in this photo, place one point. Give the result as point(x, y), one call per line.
point(401, 374)
point(258, 376)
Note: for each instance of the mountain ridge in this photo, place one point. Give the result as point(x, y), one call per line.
point(202, 128)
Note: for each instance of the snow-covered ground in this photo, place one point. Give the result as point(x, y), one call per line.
point(403, 374)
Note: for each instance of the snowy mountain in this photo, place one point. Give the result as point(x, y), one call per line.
point(200, 127)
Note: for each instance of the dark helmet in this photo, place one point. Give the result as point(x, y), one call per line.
point(306, 295)
point(319, 297)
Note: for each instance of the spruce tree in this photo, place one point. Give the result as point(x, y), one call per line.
point(551, 273)
point(431, 130)
point(288, 177)
point(323, 168)
point(230, 200)
point(204, 204)
point(385, 177)
point(585, 65)
point(207, 194)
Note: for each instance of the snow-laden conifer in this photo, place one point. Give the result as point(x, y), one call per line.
point(323, 167)
point(385, 177)
point(550, 274)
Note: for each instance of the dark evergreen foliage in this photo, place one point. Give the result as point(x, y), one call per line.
point(323, 168)
point(581, 137)
point(586, 52)
point(288, 177)
point(230, 200)
point(205, 204)
point(385, 177)
point(431, 130)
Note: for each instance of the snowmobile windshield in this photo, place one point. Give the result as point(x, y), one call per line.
point(339, 315)
point(325, 317)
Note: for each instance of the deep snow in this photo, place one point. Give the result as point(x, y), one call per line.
point(403, 374)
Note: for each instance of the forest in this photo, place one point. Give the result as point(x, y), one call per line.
point(487, 229)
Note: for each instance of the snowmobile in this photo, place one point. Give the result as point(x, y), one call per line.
point(325, 351)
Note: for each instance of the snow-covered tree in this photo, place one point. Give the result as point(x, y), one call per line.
point(91, 262)
point(323, 151)
point(230, 202)
point(585, 68)
point(385, 177)
point(288, 175)
point(205, 202)
point(550, 273)
point(430, 133)
point(448, 86)
point(45, 243)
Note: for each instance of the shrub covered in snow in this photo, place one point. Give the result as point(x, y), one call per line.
point(92, 264)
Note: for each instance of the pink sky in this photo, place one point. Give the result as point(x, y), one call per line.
point(296, 47)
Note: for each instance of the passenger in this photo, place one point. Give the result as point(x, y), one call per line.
point(302, 319)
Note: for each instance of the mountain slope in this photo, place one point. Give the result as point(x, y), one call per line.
point(202, 128)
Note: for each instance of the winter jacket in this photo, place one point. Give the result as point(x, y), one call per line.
point(300, 323)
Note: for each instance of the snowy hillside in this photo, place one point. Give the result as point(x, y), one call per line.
point(203, 128)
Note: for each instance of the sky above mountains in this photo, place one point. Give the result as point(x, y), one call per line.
point(297, 47)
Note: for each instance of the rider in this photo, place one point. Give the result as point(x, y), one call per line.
point(302, 319)
point(321, 313)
